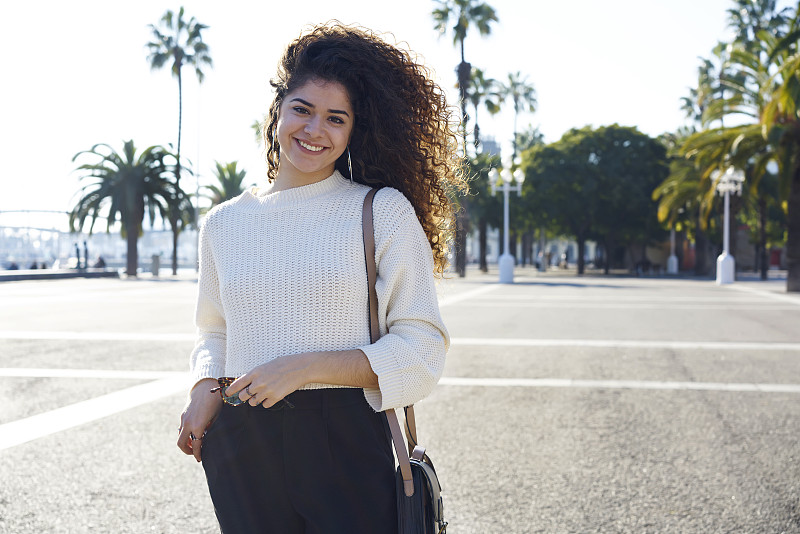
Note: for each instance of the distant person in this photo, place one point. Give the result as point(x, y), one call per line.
point(100, 263)
point(282, 293)
point(33, 265)
point(13, 266)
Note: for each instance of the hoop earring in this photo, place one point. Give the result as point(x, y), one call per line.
point(349, 164)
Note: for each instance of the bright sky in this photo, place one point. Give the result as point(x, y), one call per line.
point(75, 74)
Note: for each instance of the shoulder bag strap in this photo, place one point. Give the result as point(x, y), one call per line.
point(374, 334)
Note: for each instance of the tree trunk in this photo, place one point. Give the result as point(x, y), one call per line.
point(461, 245)
point(175, 234)
point(531, 236)
point(180, 119)
point(610, 249)
point(173, 217)
point(793, 235)
point(581, 252)
point(132, 254)
point(483, 229)
point(512, 246)
point(700, 251)
point(762, 238)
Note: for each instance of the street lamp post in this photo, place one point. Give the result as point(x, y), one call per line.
point(672, 261)
point(728, 182)
point(506, 260)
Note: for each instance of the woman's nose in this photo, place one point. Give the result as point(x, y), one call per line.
point(312, 126)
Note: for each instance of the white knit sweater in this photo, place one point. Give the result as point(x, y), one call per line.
point(283, 273)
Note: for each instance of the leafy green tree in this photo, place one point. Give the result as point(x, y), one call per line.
point(128, 186)
point(229, 183)
point(597, 184)
point(522, 94)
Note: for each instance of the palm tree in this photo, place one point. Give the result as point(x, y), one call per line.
point(750, 17)
point(781, 121)
point(483, 90)
point(179, 43)
point(128, 185)
point(522, 94)
point(757, 82)
point(229, 185)
point(463, 14)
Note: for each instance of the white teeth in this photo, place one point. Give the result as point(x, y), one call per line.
point(310, 147)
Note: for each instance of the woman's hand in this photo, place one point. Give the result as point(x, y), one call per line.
point(268, 383)
point(201, 409)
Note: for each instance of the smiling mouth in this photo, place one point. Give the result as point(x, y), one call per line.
point(312, 148)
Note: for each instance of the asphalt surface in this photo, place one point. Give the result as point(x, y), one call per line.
point(569, 405)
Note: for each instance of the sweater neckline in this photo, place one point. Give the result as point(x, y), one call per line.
point(257, 198)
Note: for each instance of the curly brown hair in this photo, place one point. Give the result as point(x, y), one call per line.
point(403, 133)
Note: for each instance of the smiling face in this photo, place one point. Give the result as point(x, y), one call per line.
point(314, 125)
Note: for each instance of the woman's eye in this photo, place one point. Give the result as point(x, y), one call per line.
point(299, 109)
point(336, 120)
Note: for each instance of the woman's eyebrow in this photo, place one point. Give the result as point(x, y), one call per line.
point(309, 104)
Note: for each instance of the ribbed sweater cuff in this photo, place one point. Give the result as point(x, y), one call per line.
point(390, 379)
point(207, 370)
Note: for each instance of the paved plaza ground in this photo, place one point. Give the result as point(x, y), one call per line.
point(569, 405)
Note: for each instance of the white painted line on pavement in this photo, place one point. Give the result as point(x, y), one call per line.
point(44, 424)
point(462, 341)
point(634, 306)
point(94, 336)
point(448, 301)
point(619, 384)
point(169, 383)
point(767, 294)
point(22, 372)
point(535, 297)
point(622, 344)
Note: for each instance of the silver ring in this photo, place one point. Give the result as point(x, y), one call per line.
point(195, 438)
point(247, 389)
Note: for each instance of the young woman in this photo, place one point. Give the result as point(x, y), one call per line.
point(283, 296)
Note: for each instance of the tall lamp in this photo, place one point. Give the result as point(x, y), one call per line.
point(728, 182)
point(506, 176)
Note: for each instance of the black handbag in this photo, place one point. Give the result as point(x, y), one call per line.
point(419, 494)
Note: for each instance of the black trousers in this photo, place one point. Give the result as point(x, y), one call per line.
point(323, 467)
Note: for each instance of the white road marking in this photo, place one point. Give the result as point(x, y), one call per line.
point(767, 294)
point(94, 336)
point(635, 306)
point(624, 343)
point(29, 372)
point(535, 297)
point(448, 301)
point(619, 384)
point(44, 424)
point(167, 383)
point(457, 341)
